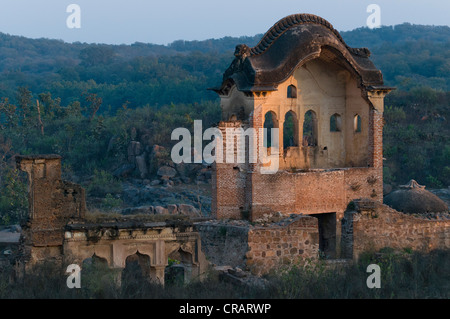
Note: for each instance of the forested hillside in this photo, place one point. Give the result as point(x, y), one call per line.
point(139, 74)
point(87, 101)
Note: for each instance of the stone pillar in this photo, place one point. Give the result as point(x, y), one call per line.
point(281, 137)
point(376, 128)
point(159, 263)
point(157, 274)
point(300, 120)
point(117, 277)
point(187, 273)
point(375, 158)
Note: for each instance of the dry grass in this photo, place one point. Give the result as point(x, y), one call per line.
point(407, 275)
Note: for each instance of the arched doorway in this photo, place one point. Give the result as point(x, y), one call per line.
point(180, 268)
point(98, 278)
point(136, 272)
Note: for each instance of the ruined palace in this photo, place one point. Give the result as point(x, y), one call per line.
point(324, 200)
point(58, 230)
point(326, 99)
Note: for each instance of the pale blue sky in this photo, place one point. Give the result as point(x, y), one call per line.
point(161, 22)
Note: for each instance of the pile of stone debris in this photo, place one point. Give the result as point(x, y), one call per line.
point(276, 219)
point(268, 219)
point(237, 276)
point(433, 216)
point(171, 209)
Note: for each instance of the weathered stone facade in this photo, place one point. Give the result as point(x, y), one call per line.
point(260, 248)
point(274, 247)
point(326, 100)
point(57, 229)
point(114, 242)
point(330, 97)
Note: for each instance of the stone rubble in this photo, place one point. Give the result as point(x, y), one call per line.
point(237, 276)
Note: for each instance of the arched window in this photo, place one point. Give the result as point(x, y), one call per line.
point(270, 122)
point(310, 129)
point(292, 92)
point(335, 123)
point(290, 130)
point(357, 123)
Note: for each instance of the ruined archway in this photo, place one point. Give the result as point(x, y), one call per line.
point(95, 260)
point(137, 270)
point(180, 267)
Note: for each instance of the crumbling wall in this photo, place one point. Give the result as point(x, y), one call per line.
point(228, 180)
point(364, 182)
point(115, 242)
point(224, 244)
point(260, 249)
point(314, 191)
point(52, 203)
point(272, 247)
point(379, 226)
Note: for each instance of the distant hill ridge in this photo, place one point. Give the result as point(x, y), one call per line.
point(360, 37)
point(408, 55)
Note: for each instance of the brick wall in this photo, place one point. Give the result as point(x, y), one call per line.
point(375, 138)
point(228, 191)
point(382, 226)
point(229, 181)
point(260, 248)
point(241, 187)
point(53, 202)
point(363, 183)
point(272, 247)
point(313, 192)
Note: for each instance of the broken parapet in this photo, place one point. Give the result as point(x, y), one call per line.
point(372, 226)
point(52, 203)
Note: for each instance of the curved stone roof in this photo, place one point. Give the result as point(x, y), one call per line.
point(291, 42)
point(413, 198)
point(293, 20)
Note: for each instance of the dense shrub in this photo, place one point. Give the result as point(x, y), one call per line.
point(403, 275)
